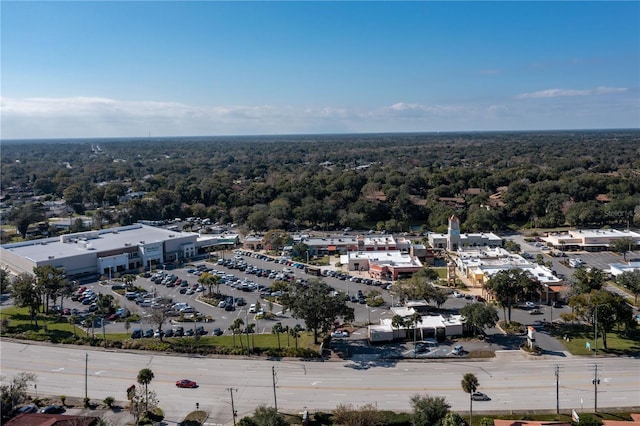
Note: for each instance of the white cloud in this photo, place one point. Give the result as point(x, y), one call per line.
point(78, 117)
point(554, 93)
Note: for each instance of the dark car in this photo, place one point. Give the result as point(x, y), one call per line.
point(179, 332)
point(26, 409)
point(168, 333)
point(52, 409)
point(217, 332)
point(479, 396)
point(148, 333)
point(189, 332)
point(186, 383)
point(200, 330)
point(229, 307)
point(137, 334)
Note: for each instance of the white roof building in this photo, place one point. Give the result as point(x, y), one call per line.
point(589, 239)
point(104, 252)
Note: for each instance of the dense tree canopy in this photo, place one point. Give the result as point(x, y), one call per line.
point(334, 181)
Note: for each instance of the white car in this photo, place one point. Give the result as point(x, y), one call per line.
point(457, 294)
point(252, 308)
point(340, 333)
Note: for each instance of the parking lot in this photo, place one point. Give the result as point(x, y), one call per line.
point(247, 286)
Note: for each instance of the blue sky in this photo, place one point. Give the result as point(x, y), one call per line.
point(120, 68)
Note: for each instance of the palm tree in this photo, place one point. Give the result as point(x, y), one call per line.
point(414, 319)
point(277, 329)
point(470, 385)
point(128, 280)
point(293, 331)
point(237, 325)
point(396, 322)
point(72, 320)
point(145, 376)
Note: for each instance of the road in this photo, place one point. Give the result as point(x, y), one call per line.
point(512, 381)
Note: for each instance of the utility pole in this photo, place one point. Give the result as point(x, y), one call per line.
point(557, 389)
point(233, 408)
point(595, 382)
point(86, 370)
point(275, 380)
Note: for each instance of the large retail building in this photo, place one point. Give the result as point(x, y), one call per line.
point(108, 252)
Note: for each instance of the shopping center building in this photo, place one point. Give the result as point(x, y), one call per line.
point(107, 252)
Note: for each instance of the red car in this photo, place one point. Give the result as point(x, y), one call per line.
point(185, 383)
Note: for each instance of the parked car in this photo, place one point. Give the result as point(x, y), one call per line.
point(535, 312)
point(217, 332)
point(52, 409)
point(186, 383)
point(26, 409)
point(340, 333)
point(137, 334)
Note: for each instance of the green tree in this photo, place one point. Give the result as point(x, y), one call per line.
point(275, 239)
point(316, 306)
point(53, 282)
point(611, 310)
point(480, 316)
point(5, 280)
point(366, 415)
point(453, 419)
point(25, 215)
point(236, 328)
point(587, 280)
point(429, 410)
point(277, 329)
point(145, 376)
point(622, 245)
point(295, 333)
point(128, 280)
point(631, 281)
point(209, 280)
point(470, 384)
point(15, 392)
point(396, 322)
point(264, 416)
point(507, 286)
point(27, 294)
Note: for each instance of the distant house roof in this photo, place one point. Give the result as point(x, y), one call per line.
point(603, 198)
point(376, 196)
point(38, 419)
point(473, 191)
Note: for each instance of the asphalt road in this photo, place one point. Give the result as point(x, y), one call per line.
point(512, 381)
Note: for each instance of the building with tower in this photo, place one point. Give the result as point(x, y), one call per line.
point(453, 240)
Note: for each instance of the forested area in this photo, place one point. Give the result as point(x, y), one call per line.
point(384, 181)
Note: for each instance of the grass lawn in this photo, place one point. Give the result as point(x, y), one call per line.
point(580, 334)
point(51, 327)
